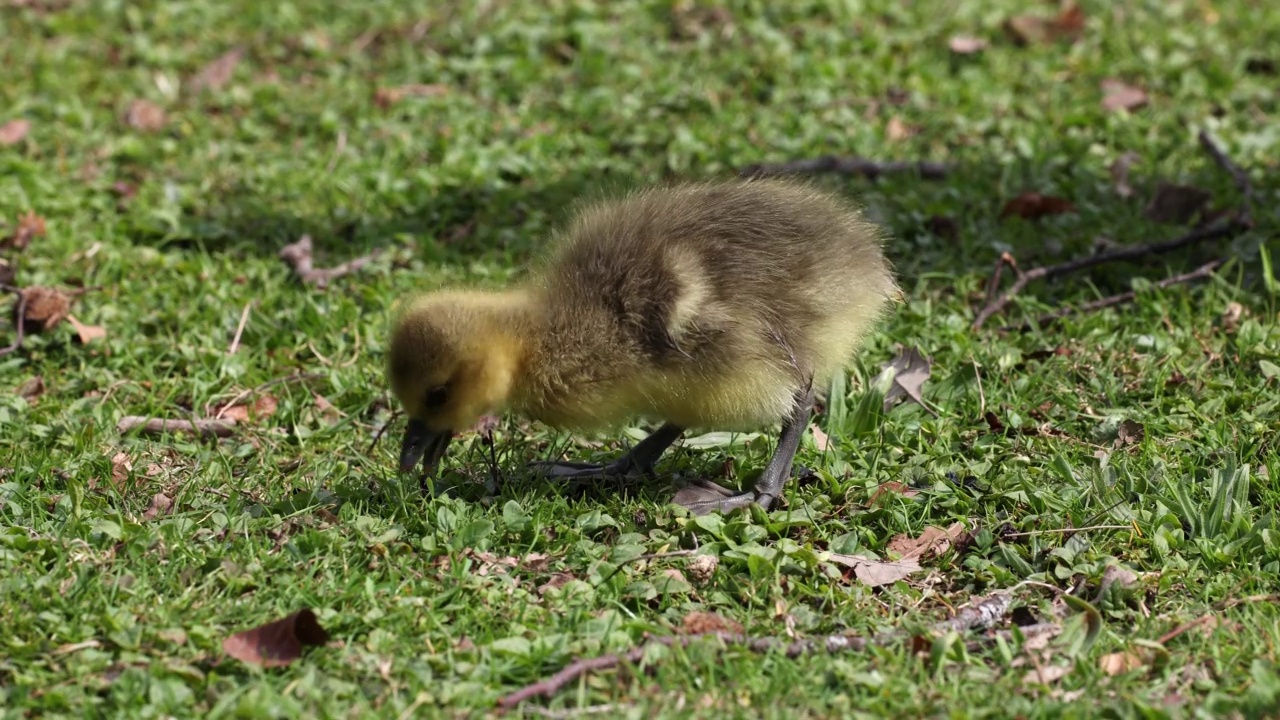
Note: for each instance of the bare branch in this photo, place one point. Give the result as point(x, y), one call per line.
point(162, 426)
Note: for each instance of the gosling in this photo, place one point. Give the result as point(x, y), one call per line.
point(712, 305)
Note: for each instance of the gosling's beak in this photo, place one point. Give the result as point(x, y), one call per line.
point(421, 443)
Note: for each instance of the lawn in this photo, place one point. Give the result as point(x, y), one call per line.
point(1111, 471)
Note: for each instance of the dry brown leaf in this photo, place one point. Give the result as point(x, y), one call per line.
point(43, 308)
point(263, 407)
point(145, 115)
point(1047, 675)
point(217, 74)
point(86, 333)
point(933, 541)
point(910, 371)
point(896, 129)
point(699, 623)
point(1120, 173)
point(30, 225)
point(892, 487)
point(385, 97)
point(76, 647)
point(1119, 663)
point(1130, 433)
point(327, 410)
point(966, 44)
point(492, 563)
point(1175, 204)
point(1031, 205)
point(1231, 316)
point(121, 466)
point(12, 132)
point(161, 504)
point(874, 573)
point(535, 562)
point(1118, 95)
point(31, 389)
point(556, 582)
point(820, 439)
point(1031, 29)
point(277, 643)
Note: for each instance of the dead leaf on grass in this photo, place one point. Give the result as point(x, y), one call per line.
point(12, 132)
point(910, 371)
point(702, 568)
point(30, 225)
point(1231, 316)
point(896, 129)
point(1032, 205)
point(86, 333)
point(218, 73)
point(31, 389)
point(535, 562)
point(327, 410)
point(874, 573)
point(490, 563)
point(1047, 675)
point(277, 643)
point(1118, 95)
point(556, 582)
point(161, 504)
point(1175, 204)
point(966, 44)
point(1130, 433)
point(699, 623)
point(121, 466)
point(1120, 173)
point(820, 439)
point(264, 406)
point(1032, 29)
point(145, 115)
point(1119, 663)
point(932, 542)
point(385, 97)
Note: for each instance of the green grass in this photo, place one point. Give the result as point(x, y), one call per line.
point(551, 101)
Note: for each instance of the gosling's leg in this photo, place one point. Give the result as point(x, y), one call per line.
point(640, 460)
point(705, 497)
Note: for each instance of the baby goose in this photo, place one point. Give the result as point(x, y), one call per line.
point(707, 305)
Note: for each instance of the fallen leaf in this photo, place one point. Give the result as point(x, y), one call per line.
point(31, 389)
point(1047, 675)
point(896, 129)
point(86, 333)
point(933, 541)
point(120, 469)
point(12, 132)
point(1176, 204)
point(891, 487)
point(492, 563)
point(1118, 95)
point(43, 308)
point(1231, 316)
point(76, 647)
point(161, 504)
point(1032, 29)
point(173, 636)
point(277, 643)
point(1031, 205)
point(556, 582)
point(993, 421)
point(263, 407)
point(30, 225)
point(145, 115)
point(699, 623)
point(966, 44)
point(385, 97)
point(910, 371)
point(1130, 433)
point(1119, 663)
point(217, 74)
point(820, 439)
point(330, 413)
point(1116, 575)
point(1120, 173)
point(874, 573)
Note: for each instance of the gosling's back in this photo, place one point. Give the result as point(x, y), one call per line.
point(706, 304)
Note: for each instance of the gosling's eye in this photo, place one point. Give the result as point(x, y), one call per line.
point(437, 396)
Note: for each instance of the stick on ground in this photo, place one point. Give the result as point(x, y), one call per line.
point(162, 426)
point(298, 257)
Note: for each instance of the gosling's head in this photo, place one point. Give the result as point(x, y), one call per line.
point(451, 359)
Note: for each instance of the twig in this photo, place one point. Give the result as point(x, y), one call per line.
point(1054, 531)
point(1240, 177)
point(847, 166)
point(161, 426)
point(1200, 273)
point(295, 377)
point(298, 257)
point(980, 615)
point(19, 313)
point(244, 320)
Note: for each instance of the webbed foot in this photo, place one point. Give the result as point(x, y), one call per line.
point(704, 497)
point(640, 461)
